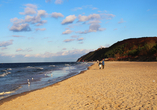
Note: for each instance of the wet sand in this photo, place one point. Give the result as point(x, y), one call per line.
point(120, 85)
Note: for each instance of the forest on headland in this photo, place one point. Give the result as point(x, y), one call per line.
point(133, 49)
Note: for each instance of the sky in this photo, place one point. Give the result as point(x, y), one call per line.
point(64, 30)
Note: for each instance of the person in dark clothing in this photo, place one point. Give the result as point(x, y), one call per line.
point(103, 63)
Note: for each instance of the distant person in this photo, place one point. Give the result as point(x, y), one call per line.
point(103, 63)
point(100, 64)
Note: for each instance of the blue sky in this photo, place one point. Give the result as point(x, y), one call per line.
point(64, 30)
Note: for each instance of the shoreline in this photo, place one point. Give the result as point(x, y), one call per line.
point(120, 85)
point(9, 98)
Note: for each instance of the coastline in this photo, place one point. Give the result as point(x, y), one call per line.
point(120, 85)
point(7, 99)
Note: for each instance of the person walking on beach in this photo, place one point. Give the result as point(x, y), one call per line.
point(103, 63)
point(100, 64)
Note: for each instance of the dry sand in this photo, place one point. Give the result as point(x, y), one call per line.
point(120, 85)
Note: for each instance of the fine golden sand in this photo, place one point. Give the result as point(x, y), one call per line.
point(120, 85)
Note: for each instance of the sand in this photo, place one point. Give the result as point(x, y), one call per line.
point(120, 85)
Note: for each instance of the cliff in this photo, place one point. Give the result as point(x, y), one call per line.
point(134, 49)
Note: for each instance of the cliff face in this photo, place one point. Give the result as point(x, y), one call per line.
point(134, 49)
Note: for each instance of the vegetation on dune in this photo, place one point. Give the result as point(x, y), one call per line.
point(134, 49)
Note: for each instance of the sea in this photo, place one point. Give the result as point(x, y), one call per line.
point(16, 78)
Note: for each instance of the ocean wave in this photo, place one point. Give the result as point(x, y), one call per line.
point(52, 65)
point(4, 74)
point(67, 65)
point(9, 69)
point(39, 68)
point(3, 70)
point(9, 92)
point(35, 67)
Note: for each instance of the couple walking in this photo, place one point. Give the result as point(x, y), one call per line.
point(101, 65)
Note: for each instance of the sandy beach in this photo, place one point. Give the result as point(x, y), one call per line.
point(120, 85)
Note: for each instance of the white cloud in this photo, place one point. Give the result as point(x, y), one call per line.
point(41, 13)
point(32, 19)
point(45, 55)
point(92, 28)
point(61, 53)
point(64, 55)
point(20, 27)
point(40, 23)
point(35, 19)
point(121, 21)
point(67, 32)
point(58, 1)
point(56, 15)
point(6, 55)
point(17, 21)
point(29, 18)
point(17, 36)
point(31, 6)
point(83, 32)
point(40, 29)
point(29, 50)
point(75, 51)
point(101, 29)
point(90, 17)
point(68, 40)
point(23, 24)
point(19, 50)
point(80, 39)
point(69, 19)
point(24, 50)
point(74, 25)
point(6, 43)
point(30, 9)
point(77, 8)
point(95, 17)
point(107, 16)
point(94, 22)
